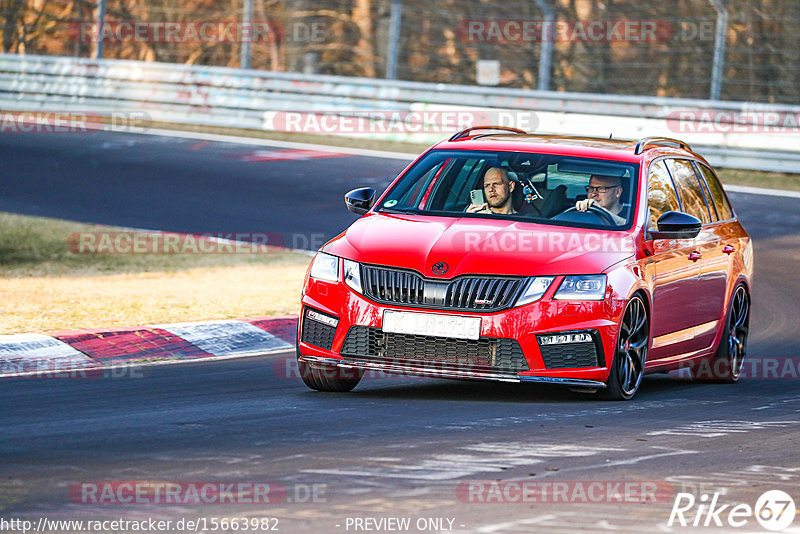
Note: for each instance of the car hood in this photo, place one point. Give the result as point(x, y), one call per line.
point(470, 245)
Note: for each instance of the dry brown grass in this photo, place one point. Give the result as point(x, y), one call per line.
point(44, 287)
point(769, 180)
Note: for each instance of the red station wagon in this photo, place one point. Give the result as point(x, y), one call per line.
point(502, 255)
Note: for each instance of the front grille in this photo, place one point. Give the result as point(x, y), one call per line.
point(394, 286)
point(569, 355)
point(316, 333)
point(388, 285)
point(482, 354)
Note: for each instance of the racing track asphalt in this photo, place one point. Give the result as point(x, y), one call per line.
point(394, 447)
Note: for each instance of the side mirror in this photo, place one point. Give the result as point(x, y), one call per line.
point(359, 201)
point(676, 225)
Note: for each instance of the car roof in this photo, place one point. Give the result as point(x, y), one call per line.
point(567, 145)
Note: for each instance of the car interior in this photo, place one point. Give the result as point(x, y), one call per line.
point(548, 186)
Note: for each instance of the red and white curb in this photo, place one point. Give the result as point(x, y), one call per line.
point(57, 353)
point(25, 353)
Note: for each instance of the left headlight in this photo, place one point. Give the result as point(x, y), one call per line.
point(325, 267)
point(352, 275)
point(584, 287)
point(535, 289)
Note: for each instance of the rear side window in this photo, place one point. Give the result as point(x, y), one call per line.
point(691, 191)
point(717, 195)
point(661, 195)
point(575, 182)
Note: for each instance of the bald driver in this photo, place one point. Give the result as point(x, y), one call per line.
point(605, 192)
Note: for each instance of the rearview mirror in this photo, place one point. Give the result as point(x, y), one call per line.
point(359, 201)
point(676, 225)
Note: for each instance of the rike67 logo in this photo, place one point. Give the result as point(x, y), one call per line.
point(774, 510)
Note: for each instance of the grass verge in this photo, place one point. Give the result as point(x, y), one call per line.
point(45, 287)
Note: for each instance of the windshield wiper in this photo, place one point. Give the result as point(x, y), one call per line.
point(398, 210)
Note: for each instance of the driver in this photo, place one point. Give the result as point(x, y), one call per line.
point(605, 192)
point(497, 189)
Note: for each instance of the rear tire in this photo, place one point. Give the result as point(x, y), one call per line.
point(627, 368)
point(727, 362)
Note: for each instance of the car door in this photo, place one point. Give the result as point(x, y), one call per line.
point(717, 267)
point(712, 279)
point(676, 274)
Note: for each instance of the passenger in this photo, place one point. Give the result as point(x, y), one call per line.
point(497, 189)
point(605, 192)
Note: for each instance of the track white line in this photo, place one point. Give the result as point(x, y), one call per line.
point(222, 138)
point(202, 136)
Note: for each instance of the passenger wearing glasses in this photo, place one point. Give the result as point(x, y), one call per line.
point(605, 192)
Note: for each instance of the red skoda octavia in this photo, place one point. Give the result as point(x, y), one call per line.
point(501, 255)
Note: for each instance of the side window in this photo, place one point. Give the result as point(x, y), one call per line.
point(691, 191)
point(718, 196)
point(451, 192)
point(411, 191)
point(661, 196)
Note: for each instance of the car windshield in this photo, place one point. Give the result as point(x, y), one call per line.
point(541, 188)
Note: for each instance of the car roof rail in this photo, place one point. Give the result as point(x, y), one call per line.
point(465, 133)
point(643, 143)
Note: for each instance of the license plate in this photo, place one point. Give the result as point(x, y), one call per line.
point(431, 324)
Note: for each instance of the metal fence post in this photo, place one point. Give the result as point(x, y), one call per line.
point(719, 49)
point(247, 34)
point(546, 50)
point(395, 18)
point(101, 17)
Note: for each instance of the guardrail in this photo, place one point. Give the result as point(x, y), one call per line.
point(733, 134)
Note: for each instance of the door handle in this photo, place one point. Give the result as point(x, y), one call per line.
point(694, 256)
point(727, 249)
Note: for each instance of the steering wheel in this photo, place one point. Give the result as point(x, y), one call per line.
point(594, 210)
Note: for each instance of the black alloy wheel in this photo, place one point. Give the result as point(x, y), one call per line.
point(627, 368)
point(733, 345)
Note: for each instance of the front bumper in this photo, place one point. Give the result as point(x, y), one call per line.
point(436, 372)
point(521, 324)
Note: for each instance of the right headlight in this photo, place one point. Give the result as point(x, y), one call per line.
point(583, 287)
point(535, 289)
point(325, 267)
point(352, 275)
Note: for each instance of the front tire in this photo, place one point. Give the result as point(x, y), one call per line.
point(322, 377)
point(627, 368)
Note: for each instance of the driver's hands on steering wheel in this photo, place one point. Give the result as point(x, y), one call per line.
point(583, 205)
point(590, 204)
